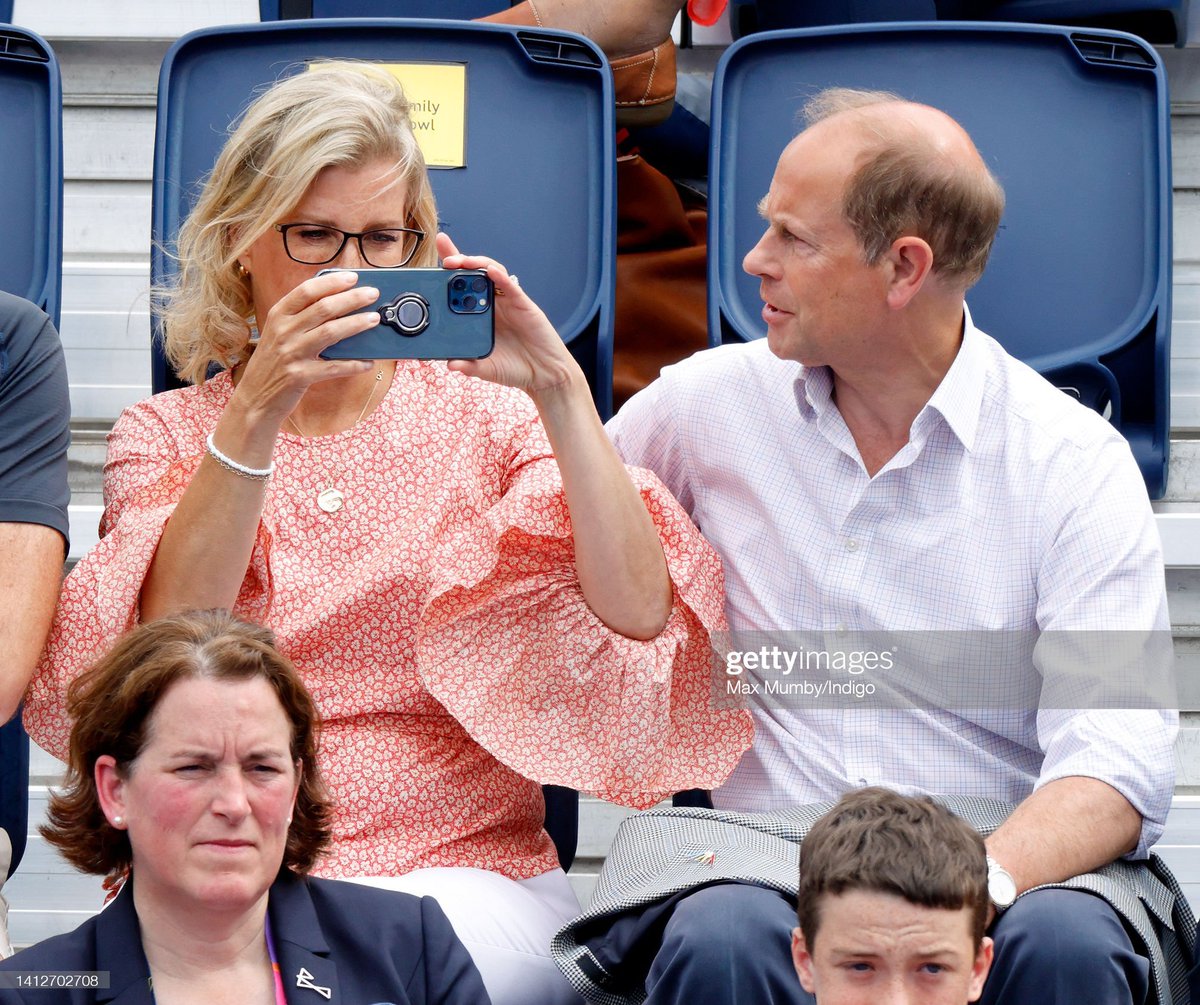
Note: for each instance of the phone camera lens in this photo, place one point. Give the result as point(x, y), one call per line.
point(469, 302)
point(479, 284)
point(458, 284)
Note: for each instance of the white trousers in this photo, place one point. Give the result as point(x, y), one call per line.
point(505, 924)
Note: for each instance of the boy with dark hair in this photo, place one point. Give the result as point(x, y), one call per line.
point(896, 887)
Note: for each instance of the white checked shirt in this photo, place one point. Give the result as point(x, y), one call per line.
point(1012, 507)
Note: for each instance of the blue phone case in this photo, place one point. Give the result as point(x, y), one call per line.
point(426, 314)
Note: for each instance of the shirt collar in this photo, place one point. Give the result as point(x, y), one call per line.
point(814, 391)
point(957, 399)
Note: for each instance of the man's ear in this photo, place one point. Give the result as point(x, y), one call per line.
point(910, 262)
point(802, 961)
point(980, 968)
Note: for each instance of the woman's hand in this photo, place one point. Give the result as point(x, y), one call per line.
point(529, 353)
point(304, 323)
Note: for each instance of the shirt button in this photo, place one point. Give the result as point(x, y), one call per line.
point(851, 545)
point(840, 628)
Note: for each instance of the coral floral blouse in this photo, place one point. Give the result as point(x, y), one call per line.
point(437, 620)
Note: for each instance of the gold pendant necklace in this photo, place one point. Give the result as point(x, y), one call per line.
point(331, 498)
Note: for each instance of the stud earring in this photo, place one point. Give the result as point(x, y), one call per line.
point(118, 821)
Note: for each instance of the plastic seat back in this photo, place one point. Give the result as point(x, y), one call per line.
point(537, 188)
point(14, 788)
point(1075, 126)
point(1162, 22)
point(776, 15)
point(562, 821)
point(30, 267)
point(31, 169)
point(466, 10)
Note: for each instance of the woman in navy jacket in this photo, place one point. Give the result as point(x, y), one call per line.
point(192, 780)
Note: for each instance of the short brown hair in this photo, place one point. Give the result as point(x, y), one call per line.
point(112, 703)
point(882, 842)
point(906, 186)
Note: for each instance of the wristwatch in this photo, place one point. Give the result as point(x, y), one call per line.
point(1002, 888)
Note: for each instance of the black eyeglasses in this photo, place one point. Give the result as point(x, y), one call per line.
point(316, 244)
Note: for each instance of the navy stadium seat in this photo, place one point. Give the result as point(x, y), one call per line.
point(1079, 283)
point(30, 267)
point(466, 10)
point(1162, 22)
point(31, 169)
point(14, 788)
point(693, 797)
point(562, 821)
point(748, 16)
point(1158, 21)
point(540, 198)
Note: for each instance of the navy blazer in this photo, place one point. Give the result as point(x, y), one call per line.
point(360, 944)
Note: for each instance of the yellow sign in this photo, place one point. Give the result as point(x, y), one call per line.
point(437, 103)
point(437, 98)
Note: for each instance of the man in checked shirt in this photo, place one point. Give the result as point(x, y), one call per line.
point(877, 463)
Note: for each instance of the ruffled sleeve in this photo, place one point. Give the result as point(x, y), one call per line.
point(509, 646)
point(151, 461)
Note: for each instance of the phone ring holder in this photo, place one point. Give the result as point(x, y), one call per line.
point(408, 314)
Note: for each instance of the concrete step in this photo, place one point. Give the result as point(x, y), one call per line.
point(85, 461)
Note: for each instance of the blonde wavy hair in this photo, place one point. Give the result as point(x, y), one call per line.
point(336, 114)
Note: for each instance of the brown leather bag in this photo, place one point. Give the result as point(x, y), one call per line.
point(661, 312)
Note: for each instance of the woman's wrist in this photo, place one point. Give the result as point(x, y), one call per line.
point(247, 431)
point(241, 449)
point(558, 394)
point(236, 467)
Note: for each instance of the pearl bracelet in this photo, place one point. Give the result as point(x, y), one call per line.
point(229, 464)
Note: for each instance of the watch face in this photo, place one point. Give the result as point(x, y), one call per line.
point(1001, 888)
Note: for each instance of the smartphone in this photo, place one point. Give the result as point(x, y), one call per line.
point(424, 314)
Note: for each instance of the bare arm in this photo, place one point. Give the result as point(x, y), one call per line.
point(206, 546)
point(1068, 826)
point(618, 556)
point(30, 577)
